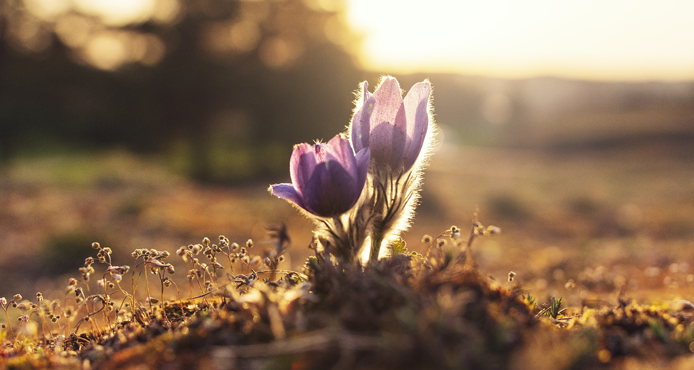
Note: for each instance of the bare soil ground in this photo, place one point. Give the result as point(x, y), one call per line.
point(604, 221)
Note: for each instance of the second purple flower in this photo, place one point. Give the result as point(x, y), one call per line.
point(327, 179)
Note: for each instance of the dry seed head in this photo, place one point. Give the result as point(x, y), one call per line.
point(426, 239)
point(249, 243)
point(511, 276)
point(17, 297)
point(96, 245)
point(205, 241)
point(492, 230)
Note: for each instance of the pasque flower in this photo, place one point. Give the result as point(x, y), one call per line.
point(394, 129)
point(327, 179)
point(399, 133)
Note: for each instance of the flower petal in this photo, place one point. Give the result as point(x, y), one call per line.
point(417, 111)
point(361, 121)
point(388, 124)
point(363, 158)
point(301, 165)
point(330, 191)
point(388, 145)
point(338, 149)
point(287, 192)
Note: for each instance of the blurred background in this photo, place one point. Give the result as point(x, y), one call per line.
point(154, 123)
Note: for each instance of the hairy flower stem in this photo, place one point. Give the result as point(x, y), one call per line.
point(376, 241)
point(393, 200)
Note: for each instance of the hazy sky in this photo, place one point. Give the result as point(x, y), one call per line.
point(608, 39)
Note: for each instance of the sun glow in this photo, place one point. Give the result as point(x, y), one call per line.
point(615, 39)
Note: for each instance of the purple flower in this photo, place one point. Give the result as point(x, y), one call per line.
point(394, 129)
point(327, 179)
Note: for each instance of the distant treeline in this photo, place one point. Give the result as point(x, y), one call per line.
point(226, 87)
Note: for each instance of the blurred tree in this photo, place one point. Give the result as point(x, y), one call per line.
point(229, 85)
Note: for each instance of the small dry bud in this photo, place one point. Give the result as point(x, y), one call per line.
point(205, 241)
point(17, 297)
point(96, 245)
point(511, 276)
point(249, 243)
point(426, 239)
